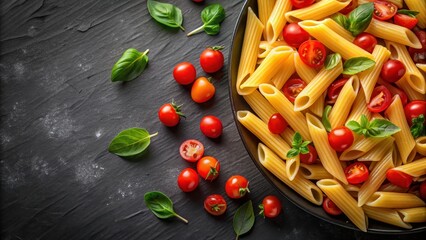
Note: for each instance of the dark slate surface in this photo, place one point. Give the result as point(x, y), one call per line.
point(59, 112)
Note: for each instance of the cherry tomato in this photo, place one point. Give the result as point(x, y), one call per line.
point(422, 190)
point(270, 207)
point(211, 126)
point(191, 150)
point(392, 70)
point(294, 35)
point(405, 20)
point(169, 114)
point(215, 204)
point(277, 124)
point(211, 59)
point(309, 158)
point(184, 73)
point(202, 90)
point(292, 88)
point(414, 109)
point(366, 41)
point(198, 1)
point(188, 180)
point(419, 55)
point(330, 207)
point(395, 91)
point(356, 173)
point(301, 3)
point(334, 90)
point(208, 168)
point(340, 138)
point(312, 53)
point(236, 186)
point(351, 6)
point(399, 178)
point(384, 10)
point(380, 99)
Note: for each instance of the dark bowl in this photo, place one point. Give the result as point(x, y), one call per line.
point(250, 142)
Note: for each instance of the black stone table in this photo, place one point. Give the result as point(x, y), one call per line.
point(59, 111)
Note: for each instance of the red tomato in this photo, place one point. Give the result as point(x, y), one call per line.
point(330, 207)
point(356, 173)
point(211, 59)
point(351, 6)
point(366, 41)
point(312, 53)
point(395, 91)
point(334, 90)
point(405, 20)
point(215, 204)
point(292, 88)
point(340, 138)
point(169, 114)
point(277, 124)
point(198, 1)
point(191, 150)
point(294, 35)
point(202, 90)
point(184, 73)
point(301, 3)
point(392, 70)
point(309, 158)
point(236, 186)
point(414, 109)
point(270, 207)
point(384, 10)
point(188, 180)
point(422, 190)
point(419, 55)
point(211, 126)
point(380, 99)
point(208, 168)
point(399, 178)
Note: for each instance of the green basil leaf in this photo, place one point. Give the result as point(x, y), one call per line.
point(297, 140)
point(212, 29)
point(382, 128)
point(417, 129)
point(354, 126)
point(305, 144)
point(212, 16)
point(243, 219)
point(161, 205)
point(130, 142)
point(131, 64)
point(332, 60)
point(325, 120)
point(356, 65)
point(360, 18)
point(341, 19)
point(292, 153)
point(408, 12)
point(364, 121)
point(166, 14)
point(304, 150)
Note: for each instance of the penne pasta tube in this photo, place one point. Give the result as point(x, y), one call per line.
point(389, 187)
point(359, 107)
point(389, 216)
point(317, 11)
point(416, 168)
point(411, 92)
point(284, 73)
point(394, 200)
point(419, 6)
point(413, 214)
point(260, 105)
point(276, 21)
point(344, 101)
point(292, 167)
point(265, 8)
point(421, 145)
point(360, 146)
point(265, 48)
point(377, 154)
point(317, 107)
point(314, 171)
point(305, 72)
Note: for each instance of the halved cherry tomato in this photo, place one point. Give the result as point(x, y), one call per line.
point(202, 90)
point(330, 207)
point(208, 168)
point(294, 35)
point(340, 138)
point(277, 124)
point(422, 190)
point(380, 99)
point(405, 20)
point(309, 158)
point(351, 6)
point(414, 109)
point(236, 186)
point(211, 126)
point(356, 173)
point(312, 53)
point(184, 73)
point(384, 10)
point(169, 114)
point(334, 90)
point(188, 180)
point(211, 59)
point(419, 55)
point(366, 41)
point(292, 88)
point(270, 207)
point(301, 3)
point(215, 204)
point(191, 150)
point(392, 70)
point(399, 178)
point(395, 91)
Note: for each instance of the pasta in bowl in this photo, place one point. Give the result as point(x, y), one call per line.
point(261, 63)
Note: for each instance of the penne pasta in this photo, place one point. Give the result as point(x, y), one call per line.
point(276, 21)
point(416, 168)
point(265, 8)
point(420, 6)
point(421, 145)
point(413, 215)
point(317, 11)
point(340, 111)
point(284, 73)
point(394, 200)
point(377, 154)
point(305, 72)
point(314, 171)
point(389, 216)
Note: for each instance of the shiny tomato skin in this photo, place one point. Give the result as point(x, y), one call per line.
point(312, 53)
point(215, 204)
point(301, 3)
point(184, 73)
point(202, 90)
point(422, 190)
point(294, 35)
point(356, 173)
point(188, 180)
point(211, 60)
point(208, 168)
point(340, 138)
point(334, 90)
point(396, 91)
point(236, 187)
point(309, 158)
point(198, 1)
point(271, 206)
point(392, 70)
point(366, 41)
point(380, 99)
point(419, 55)
point(405, 20)
point(211, 126)
point(191, 150)
point(168, 115)
point(351, 6)
point(413, 109)
point(330, 207)
point(277, 124)
point(399, 178)
point(384, 10)
point(292, 88)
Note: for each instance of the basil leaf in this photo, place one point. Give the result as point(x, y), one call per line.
point(304, 149)
point(382, 128)
point(408, 12)
point(297, 139)
point(161, 205)
point(360, 18)
point(364, 121)
point(356, 65)
point(354, 126)
point(341, 19)
point(166, 14)
point(332, 60)
point(243, 219)
point(418, 129)
point(130, 142)
point(298, 146)
point(292, 153)
point(211, 16)
point(325, 120)
point(131, 64)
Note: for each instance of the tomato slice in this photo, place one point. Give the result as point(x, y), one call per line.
point(330, 207)
point(380, 99)
point(405, 20)
point(395, 91)
point(384, 10)
point(292, 88)
point(399, 178)
point(334, 90)
point(312, 53)
point(191, 150)
point(311, 157)
point(356, 173)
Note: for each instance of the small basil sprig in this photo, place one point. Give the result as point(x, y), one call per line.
point(131, 142)
point(358, 20)
point(131, 64)
point(161, 205)
point(243, 219)
point(375, 128)
point(211, 16)
point(298, 146)
point(356, 65)
point(332, 60)
point(341, 19)
point(408, 12)
point(418, 129)
point(325, 120)
point(166, 14)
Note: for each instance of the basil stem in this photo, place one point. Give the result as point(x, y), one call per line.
point(166, 14)
point(243, 219)
point(161, 205)
point(130, 142)
point(131, 64)
point(211, 16)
